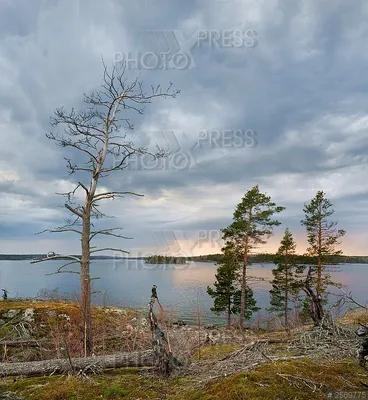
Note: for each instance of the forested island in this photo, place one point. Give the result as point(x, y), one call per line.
point(159, 259)
point(299, 258)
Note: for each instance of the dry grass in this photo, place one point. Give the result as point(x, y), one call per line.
point(57, 324)
point(37, 305)
point(353, 317)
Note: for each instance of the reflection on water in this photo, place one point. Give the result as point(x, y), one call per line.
point(128, 283)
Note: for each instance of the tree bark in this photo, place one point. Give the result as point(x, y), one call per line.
point(85, 283)
point(319, 261)
point(228, 312)
point(59, 366)
point(286, 310)
point(243, 297)
point(315, 308)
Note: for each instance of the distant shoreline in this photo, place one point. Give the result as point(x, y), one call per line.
point(214, 258)
point(30, 257)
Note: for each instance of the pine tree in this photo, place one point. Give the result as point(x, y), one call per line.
point(250, 301)
point(227, 293)
point(284, 284)
point(224, 292)
point(252, 225)
point(323, 237)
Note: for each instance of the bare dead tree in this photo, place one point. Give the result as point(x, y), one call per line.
point(100, 136)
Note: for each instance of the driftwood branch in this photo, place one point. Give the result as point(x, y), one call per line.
point(253, 344)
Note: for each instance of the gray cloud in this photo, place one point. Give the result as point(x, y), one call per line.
point(301, 88)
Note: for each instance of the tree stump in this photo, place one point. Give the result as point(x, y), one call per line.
point(166, 363)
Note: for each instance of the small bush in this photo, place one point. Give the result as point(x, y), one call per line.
point(115, 391)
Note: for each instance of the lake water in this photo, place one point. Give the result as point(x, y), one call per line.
point(128, 283)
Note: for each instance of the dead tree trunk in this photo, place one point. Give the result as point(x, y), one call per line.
point(85, 283)
point(59, 366)
point(165, 361)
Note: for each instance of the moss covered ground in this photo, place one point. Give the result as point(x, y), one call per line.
point(302, 378)
point(294, 379)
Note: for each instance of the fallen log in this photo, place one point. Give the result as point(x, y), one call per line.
point(59, 366)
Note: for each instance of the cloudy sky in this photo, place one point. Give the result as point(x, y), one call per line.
point(287, 77)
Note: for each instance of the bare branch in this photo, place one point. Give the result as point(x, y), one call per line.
point(349, 297)
point(112, 195)
point(84, 187)
point(120, 165)
point(74, 211)
point(60, 230)
point(108, 232)
point(56, 257)
point(110, 249)
point(59, 270)
point(64, 272)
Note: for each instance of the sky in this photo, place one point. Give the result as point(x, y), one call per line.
point(273, 92)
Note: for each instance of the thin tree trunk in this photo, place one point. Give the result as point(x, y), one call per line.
point(85, 284)
point(318, 298)
point(243, 298)
point(286, 301)
point(286, 310)
point(319, 261)
point(228, 312)
point(243, 295)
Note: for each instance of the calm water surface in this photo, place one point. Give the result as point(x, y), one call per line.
point(128, 283)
